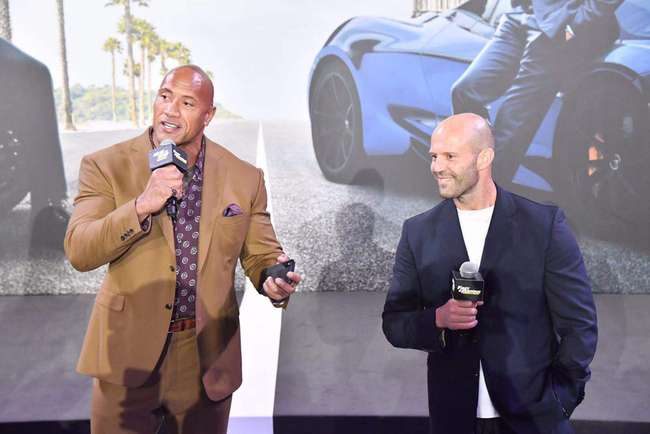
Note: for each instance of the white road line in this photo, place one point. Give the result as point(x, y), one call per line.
point(260, 325)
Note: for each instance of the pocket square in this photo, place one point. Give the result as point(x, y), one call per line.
point(232, 210)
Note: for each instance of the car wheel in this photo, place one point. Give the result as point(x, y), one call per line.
point(602, 156)
point(336, 127)
point(14, 179)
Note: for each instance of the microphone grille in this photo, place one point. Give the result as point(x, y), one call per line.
point(167, 142)
point(468, 270)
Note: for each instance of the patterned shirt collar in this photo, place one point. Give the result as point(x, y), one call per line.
point(198, 167)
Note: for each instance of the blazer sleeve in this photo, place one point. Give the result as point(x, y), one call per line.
point(573, 314)
point(406, 322)
point(99, 232)
point(261, 248)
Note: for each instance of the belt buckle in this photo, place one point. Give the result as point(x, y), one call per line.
point(172, 324)
point(183, 324)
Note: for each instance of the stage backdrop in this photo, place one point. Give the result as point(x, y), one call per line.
point(337, 101)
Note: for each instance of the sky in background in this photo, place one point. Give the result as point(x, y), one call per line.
point(260, 51)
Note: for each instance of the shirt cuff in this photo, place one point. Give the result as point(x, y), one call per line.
point(146, 223)
point(442, 337)
point(280, 303)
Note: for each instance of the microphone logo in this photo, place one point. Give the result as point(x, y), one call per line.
point(468, 291)
point(161, 155)
point(179, 156)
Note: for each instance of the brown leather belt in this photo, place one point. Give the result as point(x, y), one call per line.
point(182, 324)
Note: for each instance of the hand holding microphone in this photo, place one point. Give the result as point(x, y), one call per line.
point(459, 313)
point(168, 164)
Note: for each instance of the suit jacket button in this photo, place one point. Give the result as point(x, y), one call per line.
point(168, 306)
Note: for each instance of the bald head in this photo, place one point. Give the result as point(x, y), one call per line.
point(466, 129)
point(462, 150)
point(199, 79)
point(183, 108)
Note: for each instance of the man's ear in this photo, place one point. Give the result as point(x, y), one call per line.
point(209, 115)
point(485, 158)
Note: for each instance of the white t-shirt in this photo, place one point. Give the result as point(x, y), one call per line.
point(474, 226)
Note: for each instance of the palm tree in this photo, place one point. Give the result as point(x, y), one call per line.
point(67, 103)
point(145, 33)
point(136, 70)
point(129, 48)
point(164, 48)
point(113, 45)
point(149, 41)
point(185, 56)
point(5, 20)
point(154, 51)
point(135, 36)
point(181, 53)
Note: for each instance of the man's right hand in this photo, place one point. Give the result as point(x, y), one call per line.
point(457, 314)
point(159, 188)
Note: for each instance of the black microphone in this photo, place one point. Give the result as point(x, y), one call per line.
point(467, 283)
point(164, 155)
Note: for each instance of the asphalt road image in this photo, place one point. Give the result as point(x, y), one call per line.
point(343, 237)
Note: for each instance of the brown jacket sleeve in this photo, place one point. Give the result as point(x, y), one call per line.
point(99, 231)
point(261, 248)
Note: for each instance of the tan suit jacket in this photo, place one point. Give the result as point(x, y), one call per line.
point(132, 312)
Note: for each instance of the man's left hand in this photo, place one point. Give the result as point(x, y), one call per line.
point(278, 289)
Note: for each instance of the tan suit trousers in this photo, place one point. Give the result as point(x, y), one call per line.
point(174, 392)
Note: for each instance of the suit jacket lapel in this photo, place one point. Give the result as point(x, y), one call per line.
point(140, 161)
point(451, 236)
point(139, 157)
point(500, 232)
point(214, 179)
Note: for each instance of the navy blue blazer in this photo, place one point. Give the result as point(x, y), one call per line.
point(536, 333)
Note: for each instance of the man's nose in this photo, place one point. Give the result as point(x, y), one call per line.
point(437, 166)
point(171, 109)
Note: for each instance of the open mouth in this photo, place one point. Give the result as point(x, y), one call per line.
point(169, 127)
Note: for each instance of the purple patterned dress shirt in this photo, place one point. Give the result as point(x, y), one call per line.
point(186, 233)
point(186, 237)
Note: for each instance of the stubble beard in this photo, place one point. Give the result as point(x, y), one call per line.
point(460, 184)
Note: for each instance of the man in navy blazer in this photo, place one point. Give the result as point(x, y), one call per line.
point(518, 361)
point(535, 50)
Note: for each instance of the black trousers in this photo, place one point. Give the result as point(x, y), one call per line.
point(492, 426)
point(528, 68)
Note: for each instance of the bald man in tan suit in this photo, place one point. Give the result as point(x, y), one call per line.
point(151, 358)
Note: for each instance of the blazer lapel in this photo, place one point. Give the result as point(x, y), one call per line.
point(500, 233)
point(449, 237)
point(438, 249)
point(140, 161)
point(214, 179)
point(139, 157)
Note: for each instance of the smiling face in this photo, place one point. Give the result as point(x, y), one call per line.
point(454, 166)
point(183, 107)
point(461, 155)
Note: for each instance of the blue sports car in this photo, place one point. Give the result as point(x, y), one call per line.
point(380, 87)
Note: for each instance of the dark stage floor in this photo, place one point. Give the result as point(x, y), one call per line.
point(336, 372)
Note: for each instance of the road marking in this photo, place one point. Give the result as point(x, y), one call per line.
point(260, 325)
